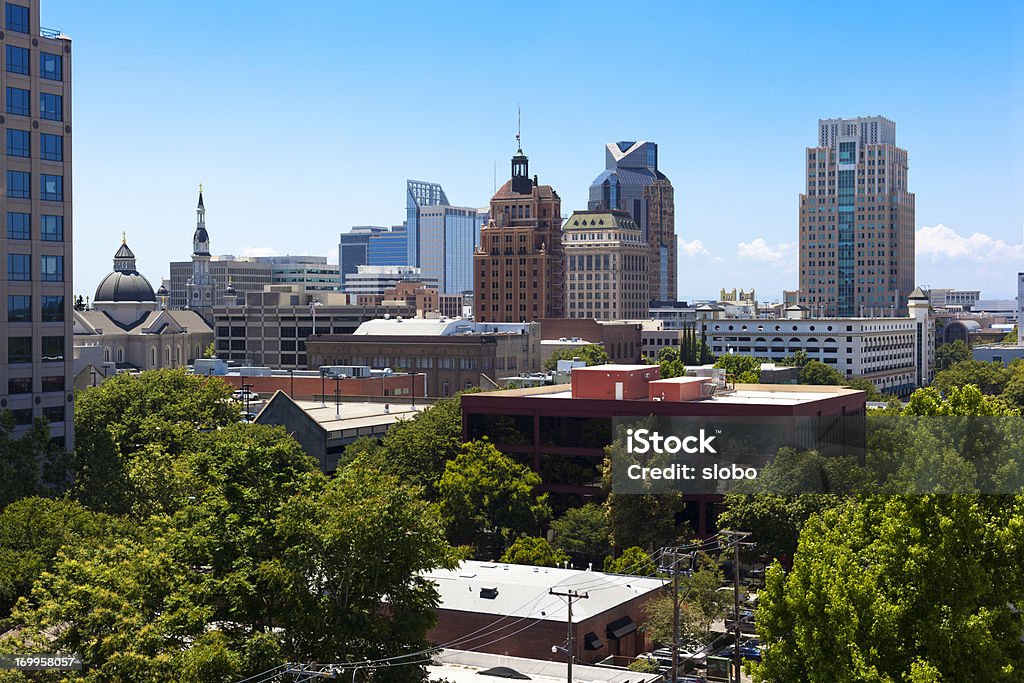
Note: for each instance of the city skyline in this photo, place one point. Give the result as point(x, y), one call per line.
point(737, 99)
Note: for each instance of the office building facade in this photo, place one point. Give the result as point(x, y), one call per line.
point(441, 238)
point(856, 221)
point(632, 182)
point(519, 267)
point(607, 266)
point(36, 375)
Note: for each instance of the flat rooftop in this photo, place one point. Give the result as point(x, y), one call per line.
point(522, 590)
point(463, 666)
point(357, 414)
point(743, 394)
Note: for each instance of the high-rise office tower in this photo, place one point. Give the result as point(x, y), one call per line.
point(36, 321)
point(856, 221)
point(441, 237)
point(632, 182)
point(519, 267)
point(606, 261)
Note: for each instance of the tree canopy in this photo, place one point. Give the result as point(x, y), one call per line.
point(591, 354)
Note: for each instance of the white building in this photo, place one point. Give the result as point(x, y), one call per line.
point(896, 354)
point(376, 279)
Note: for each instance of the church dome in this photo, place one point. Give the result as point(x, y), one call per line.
point(125, 283)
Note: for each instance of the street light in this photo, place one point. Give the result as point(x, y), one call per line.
point(413, 375)
point(291, 377)
point(323, 391)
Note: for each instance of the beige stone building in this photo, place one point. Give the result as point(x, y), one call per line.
point(35, 286)
point(607, 266)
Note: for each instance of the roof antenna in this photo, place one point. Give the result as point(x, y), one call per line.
point(519, 128)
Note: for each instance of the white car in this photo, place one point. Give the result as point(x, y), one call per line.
point(245, 395)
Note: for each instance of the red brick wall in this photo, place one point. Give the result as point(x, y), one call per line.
point(307, 387)
point(595, 383)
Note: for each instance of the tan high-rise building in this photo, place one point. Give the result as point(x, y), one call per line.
point(856, 221)
point(606, 260)
point(519, 268)
point(36, 287)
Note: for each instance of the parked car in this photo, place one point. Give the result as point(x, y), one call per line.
point(749, 649)
point(245, 395)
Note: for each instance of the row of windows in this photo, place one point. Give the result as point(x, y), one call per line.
point(19, 268)
point(23, 385)
point(51, 187)
point(51, 107)
point(19, 349)
point(19, 308)
point(19, 227)
point(51, 66)
point(51, 147)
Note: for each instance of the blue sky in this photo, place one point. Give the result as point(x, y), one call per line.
point(303, 119)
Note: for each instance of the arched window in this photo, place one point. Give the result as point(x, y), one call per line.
point(106, 355)
point(167, 356)
point(152, 357)
point(120, 355)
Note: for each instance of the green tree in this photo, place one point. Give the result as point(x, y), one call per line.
point(30, 465)
point(867, 386)
point(741, 369)
point(948, 355)
point(873, 595)
point(417, 450)
point(701, 603)
point(1011, 336)
point(646, 520)
point(591, 354)
point(362, 539)
point(797, 359)
point(210, 351)
point(991, 378)
point(487, 499)
point(32, 532)
point(816, 372)
point(124, 422)
point(634, 561)
point(583, 533)
point(535, 551)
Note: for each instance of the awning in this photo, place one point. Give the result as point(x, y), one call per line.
point(621, 627)
point(504, 672)
point(592, 642)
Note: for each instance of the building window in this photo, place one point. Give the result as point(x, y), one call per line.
point(51, 187)
point(17, 18)
point(19, 349)
point(18, 101)
point(18, 226)
point(51, 268)
point(51, 107)
point(54, 413)
point(51, 228)
point(49, 66)
point(53, 349)
point(17, 143)
point(51, 147)
point(53, 309)
point(19, 385)
point(19, 267)
point(53, 383)
point(19, 308)
point(17, 60)
point(18, 185)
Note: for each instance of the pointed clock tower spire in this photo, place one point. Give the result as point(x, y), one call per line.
point(199, 290)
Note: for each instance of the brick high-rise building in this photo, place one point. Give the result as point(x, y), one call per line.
point(36, 287)
point(632, 182)
point(856, 221)
point(519, 268)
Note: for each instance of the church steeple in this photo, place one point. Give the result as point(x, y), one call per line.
point(201, 239)
point(520, 166)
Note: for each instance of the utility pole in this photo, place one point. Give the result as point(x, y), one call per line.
point(569, 596)
point(734, 538)
point(675, 614)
